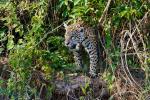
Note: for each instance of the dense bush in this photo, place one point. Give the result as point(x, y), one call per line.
point(31, 37)
point(29, 48)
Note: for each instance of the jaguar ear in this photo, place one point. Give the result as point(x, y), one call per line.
point(81, 29)
point(65, 25)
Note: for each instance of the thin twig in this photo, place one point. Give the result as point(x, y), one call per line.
point(124, 93)
point(105, 11)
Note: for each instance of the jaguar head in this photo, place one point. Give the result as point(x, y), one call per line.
point(73, 36)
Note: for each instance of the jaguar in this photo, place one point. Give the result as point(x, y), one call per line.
point(78, 36)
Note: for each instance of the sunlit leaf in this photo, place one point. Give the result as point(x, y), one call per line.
point(10, 43)
point(76, 2)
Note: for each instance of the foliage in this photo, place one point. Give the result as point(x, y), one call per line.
point(33, 43)
point(26, 51)
point(87, 10)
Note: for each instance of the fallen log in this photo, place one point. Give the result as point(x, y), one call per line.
point(80, 87)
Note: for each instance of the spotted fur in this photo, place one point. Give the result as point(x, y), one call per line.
point(79, 35)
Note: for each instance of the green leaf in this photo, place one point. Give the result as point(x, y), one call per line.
point(10, 43)
point(76, 2)
point(123, 13)
point(66, 2)
point(1, 49)
point(83, 90)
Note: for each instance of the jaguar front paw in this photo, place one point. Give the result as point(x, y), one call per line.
point(93, 75)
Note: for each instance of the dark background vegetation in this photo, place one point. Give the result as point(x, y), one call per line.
point(32, 51)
